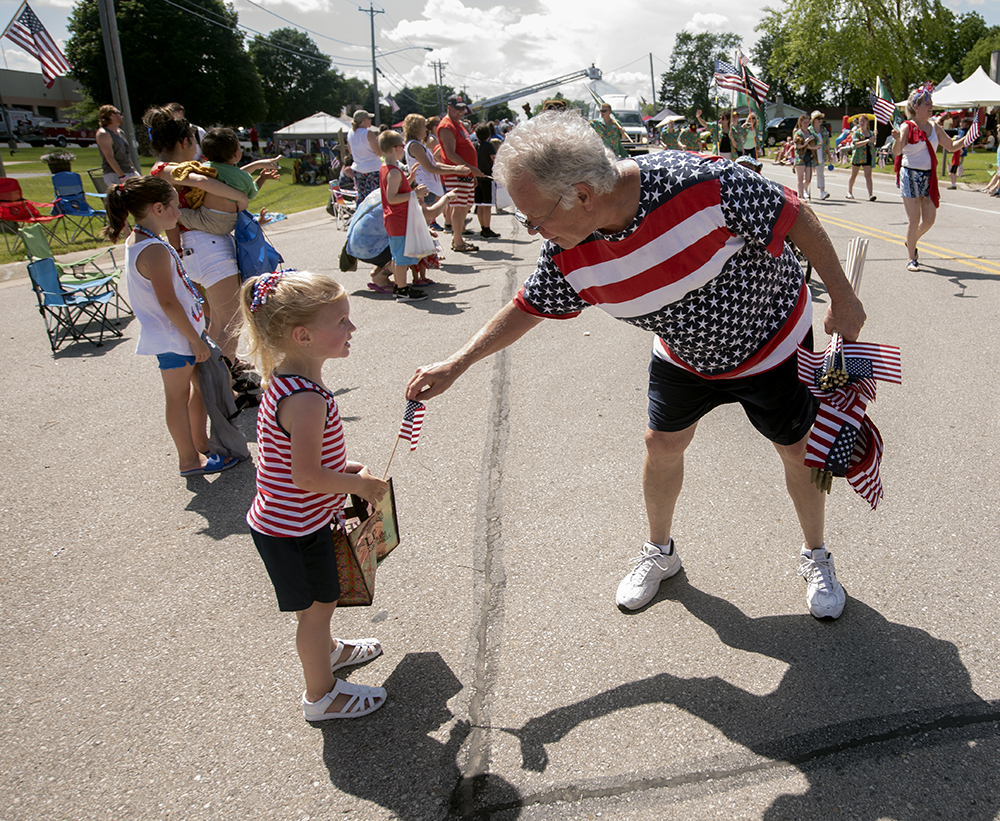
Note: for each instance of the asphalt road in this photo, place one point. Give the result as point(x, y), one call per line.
point(146, 673)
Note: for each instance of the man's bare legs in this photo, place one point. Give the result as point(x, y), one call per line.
point(662, 477)
point(809, 501)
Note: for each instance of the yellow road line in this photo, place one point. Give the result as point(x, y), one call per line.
point(899, 239)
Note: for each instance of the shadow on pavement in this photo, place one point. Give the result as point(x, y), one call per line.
point(960, 279)
point(391, 759)
point(864, 685)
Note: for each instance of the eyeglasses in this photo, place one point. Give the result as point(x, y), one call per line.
point(524, 220)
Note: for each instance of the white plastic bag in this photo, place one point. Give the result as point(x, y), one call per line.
point(419, 242)
point(501, 199)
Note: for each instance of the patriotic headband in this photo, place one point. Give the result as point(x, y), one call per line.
point(923, 93)
point(262, 288)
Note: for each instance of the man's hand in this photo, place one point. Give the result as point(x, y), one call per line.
point(431, 381)
point(845, 316)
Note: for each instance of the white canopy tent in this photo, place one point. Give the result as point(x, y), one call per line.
point(976, 90)
point(319, 126)
point(666, 116)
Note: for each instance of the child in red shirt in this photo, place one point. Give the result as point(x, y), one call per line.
point(396, 190)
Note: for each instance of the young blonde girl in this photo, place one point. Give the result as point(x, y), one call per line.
point(295, 322)
point(169, 309)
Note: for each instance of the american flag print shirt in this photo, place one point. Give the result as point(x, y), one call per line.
point(703, 265)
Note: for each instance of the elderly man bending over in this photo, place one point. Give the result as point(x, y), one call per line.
point(693, 249)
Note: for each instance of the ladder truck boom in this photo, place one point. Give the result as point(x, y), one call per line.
point(591, 73)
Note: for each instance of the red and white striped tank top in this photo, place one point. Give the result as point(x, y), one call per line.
point(280, 508)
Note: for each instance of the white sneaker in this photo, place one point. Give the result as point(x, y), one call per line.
point(824, 594)
point(652, 566)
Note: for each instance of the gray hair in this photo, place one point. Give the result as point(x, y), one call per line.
point(556, 150)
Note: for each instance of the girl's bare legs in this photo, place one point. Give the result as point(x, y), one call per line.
point(180, 416)
point(921, 213)
point(868, 181)
point(198, 415)
point(854, 176)
point(315, 645)
point(224, 301)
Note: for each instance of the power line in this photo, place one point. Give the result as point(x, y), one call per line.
point(335, 60)
point(291, 23)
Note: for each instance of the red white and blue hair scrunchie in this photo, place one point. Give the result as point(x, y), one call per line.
point(262, 288)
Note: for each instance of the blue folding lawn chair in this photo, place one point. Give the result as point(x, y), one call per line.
point(71, 310)
point(72, 203)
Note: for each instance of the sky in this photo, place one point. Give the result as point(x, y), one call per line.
point(487, 48)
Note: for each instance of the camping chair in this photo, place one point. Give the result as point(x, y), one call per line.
point(65, 307)
point(97, 178)
point(342, 205)
point(84, 271)
point(72, 204)
point(14, 208)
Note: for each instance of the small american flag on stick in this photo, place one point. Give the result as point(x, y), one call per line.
point(413, 418)
point(973, 134)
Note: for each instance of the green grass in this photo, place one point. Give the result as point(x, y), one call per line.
point(279, 196)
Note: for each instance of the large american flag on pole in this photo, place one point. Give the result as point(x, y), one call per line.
point(757, 89)
point(28, 32)
point(728, 76)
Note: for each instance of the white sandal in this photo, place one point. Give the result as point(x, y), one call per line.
point(364, 700)
point(364, 650)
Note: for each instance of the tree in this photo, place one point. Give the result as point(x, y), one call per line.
point(979, 54)
point(420, 100)
point(687, 85)
point(168, 55)
point(772, 40)
point(296, 76)
point(849, 42)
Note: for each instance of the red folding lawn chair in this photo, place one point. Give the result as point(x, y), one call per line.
point(15, 210)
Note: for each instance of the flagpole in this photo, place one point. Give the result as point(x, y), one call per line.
point(389, 463)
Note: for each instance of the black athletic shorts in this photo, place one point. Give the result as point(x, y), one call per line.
point(303, 569)
point(776, 402)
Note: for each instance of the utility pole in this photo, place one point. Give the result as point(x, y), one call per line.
point(371, 11)
point(439, 79)
point(652, 77)
point(119, 92)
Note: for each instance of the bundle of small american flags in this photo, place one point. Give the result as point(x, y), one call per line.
point(844, 441)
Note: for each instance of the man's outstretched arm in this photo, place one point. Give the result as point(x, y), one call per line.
point(506, 327)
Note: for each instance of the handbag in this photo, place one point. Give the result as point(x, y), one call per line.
point(419, 242)
point(369, 536)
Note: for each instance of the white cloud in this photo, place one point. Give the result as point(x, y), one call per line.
point(701, 23)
